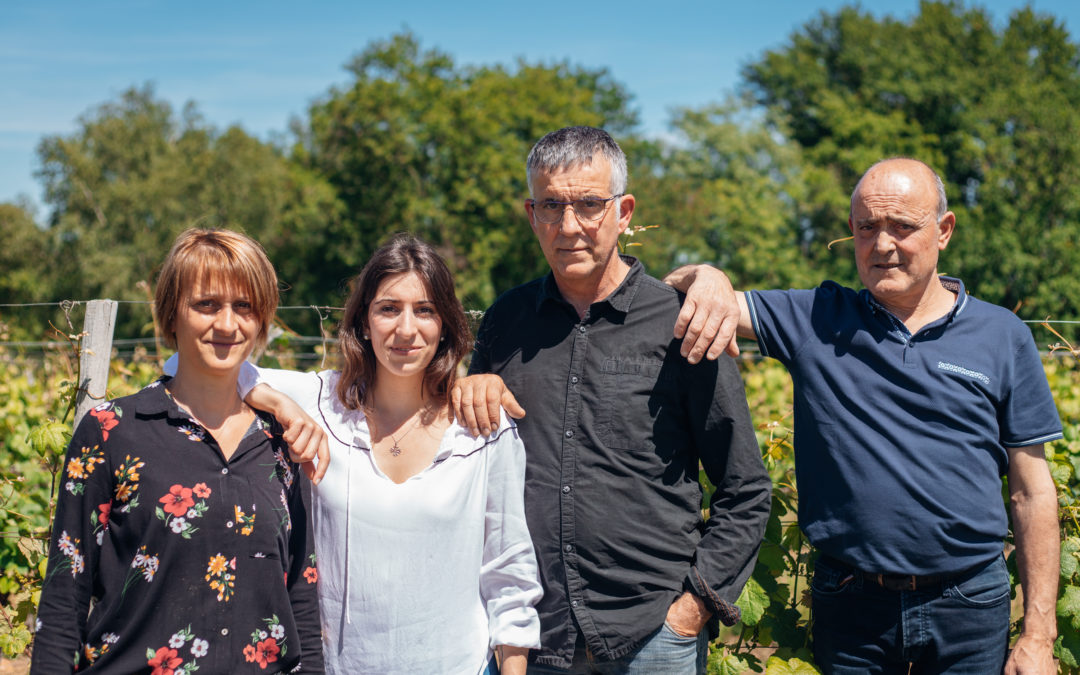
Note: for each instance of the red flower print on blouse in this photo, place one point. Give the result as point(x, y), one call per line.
point(165, 661)
point(311, 574)
point(266, 652)
point(104, 509)
point(107, 420)
point(249, 653)
point(201, 490)
point(178, 501)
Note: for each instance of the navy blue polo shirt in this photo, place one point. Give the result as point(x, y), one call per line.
point(901, 440)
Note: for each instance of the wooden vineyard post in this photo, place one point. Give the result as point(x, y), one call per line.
point(96, 351)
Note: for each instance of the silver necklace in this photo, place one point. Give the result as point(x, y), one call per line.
point(395, 449)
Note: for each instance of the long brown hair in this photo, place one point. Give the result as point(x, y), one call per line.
point(403, 253)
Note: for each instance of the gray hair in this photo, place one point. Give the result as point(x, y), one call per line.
point(572, 146)
point(939, 186)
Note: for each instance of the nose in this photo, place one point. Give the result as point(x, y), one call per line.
point(569, 223)
point(225, 320)
point(406, 324)
point(884, 243)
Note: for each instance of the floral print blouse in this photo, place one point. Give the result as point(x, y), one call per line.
point(168, 559)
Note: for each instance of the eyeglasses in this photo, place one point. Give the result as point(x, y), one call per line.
point(550, 211)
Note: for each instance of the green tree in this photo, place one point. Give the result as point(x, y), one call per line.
point(26, 273)
point(417, 143)
point(135, 174)
point(731, 192)
point(994, 110)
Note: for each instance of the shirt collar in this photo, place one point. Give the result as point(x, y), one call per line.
point(620, 299)
point(154, 400)
point(949, 283)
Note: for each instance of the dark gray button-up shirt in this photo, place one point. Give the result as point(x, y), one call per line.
point(617, 424)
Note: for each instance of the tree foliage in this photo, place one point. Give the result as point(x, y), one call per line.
point(25, 261)
point(993, 110)
point(135, 174)
point(417, 143)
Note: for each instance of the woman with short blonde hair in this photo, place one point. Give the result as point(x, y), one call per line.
point(181, 540)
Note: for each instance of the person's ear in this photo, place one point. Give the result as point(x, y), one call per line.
point(626, 211)
point(946, 227)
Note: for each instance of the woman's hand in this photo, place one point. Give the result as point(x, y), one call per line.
point(513, 660)
point(307, 441)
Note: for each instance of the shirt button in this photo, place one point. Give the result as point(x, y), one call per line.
point(566, 489)
point(573, 603)
point(569, 433)
point(574, 379)
point(224, 631)
point(581, 329)
point(568, 548)
point(225, 470)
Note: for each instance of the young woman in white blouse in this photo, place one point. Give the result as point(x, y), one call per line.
point(425, 560)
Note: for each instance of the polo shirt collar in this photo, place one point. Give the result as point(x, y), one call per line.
point(950, 283)
point(620, 299)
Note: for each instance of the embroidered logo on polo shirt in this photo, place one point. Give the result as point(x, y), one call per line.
point(953, 368)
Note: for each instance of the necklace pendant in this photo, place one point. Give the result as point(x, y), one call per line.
point(395, 451)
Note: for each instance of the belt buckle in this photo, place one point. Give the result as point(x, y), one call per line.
point(896, 582)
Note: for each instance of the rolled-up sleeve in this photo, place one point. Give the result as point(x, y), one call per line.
point(509, 579)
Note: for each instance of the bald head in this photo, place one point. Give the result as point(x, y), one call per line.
point(900, 225)
point(906, 175)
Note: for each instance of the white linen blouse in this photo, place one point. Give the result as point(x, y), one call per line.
point(426, 576)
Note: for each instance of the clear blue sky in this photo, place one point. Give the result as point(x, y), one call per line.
point(259, 63)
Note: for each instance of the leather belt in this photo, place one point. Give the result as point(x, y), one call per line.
point(894, 582)
point(905, 582)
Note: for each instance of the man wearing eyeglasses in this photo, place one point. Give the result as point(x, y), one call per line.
point(618, 423)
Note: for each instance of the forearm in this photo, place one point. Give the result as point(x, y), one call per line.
point(1035, 529)
point(266, 398)
point(513, 660)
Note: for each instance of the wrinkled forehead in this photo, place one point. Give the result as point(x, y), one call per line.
point(594, 175)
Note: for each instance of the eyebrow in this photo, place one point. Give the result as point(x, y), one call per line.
point(870, 220)
point(392, 299)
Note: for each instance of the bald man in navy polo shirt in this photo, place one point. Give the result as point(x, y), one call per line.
point(912, 400)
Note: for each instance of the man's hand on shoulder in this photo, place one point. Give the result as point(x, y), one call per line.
point(1031, 655)
point(475, 401)
point(710, 314)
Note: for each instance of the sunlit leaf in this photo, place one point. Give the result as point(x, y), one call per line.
point(753, 601)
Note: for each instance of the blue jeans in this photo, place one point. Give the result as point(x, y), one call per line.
point(959, 626)
point(665, 652)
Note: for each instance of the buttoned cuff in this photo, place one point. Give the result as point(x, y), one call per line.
point(727, 612)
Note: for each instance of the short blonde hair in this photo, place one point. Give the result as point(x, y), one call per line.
point(215, 257)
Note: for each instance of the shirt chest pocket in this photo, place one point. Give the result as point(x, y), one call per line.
point(635, 393)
